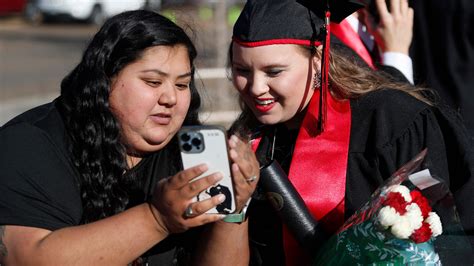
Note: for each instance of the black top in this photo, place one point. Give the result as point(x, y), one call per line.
point(388, 128)
point(40, 187)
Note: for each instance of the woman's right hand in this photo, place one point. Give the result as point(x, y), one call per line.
point(173, 195)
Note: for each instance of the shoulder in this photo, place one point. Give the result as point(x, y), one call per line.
point(37, 178)
point(33, 129)
point(390, 105)
point(388, 99)
point(34, 140)
point(384, 116)
point(394, 73)
point(22, 140)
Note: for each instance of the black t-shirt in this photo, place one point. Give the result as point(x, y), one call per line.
point(39, 186)
point(388, 129)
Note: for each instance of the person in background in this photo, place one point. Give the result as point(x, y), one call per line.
point(94, 177)
point(380, 34)
point(443, 52)
point(337, 129)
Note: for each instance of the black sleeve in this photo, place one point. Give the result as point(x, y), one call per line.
point(449, 158)
point(37, 184)
point(460, 158)
point(390, 128)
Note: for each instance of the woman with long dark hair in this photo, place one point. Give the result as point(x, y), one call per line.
point(337, 128)
point(95, 177)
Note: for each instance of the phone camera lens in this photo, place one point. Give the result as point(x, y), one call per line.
point(196, 142)
point(187, 147)
point(185, 137)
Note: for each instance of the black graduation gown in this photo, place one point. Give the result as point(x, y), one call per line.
point(443, 51)
point(388, 128)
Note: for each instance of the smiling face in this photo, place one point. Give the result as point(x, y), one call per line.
point(150, 97)
point(272, 80)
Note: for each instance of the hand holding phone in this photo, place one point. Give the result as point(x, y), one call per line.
point(208, 144)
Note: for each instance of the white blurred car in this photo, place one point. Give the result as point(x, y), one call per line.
point(93, 11)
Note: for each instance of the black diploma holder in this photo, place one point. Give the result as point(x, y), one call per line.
point(291, 207)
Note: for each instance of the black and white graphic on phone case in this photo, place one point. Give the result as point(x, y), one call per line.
point(224, 207)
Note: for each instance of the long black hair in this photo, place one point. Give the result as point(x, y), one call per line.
point(98, 154)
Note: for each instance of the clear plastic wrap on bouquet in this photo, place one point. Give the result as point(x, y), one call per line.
point(410, 220)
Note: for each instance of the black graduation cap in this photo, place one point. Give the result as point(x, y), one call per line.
point(288, 21)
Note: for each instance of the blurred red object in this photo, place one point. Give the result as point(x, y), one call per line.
point(12, 6)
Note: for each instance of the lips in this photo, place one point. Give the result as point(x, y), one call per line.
point(161, 118)
point(264, 104)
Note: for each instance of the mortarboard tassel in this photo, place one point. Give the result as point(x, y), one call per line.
point(324, 74)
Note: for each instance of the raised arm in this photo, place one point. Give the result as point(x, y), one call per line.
point(393, 35)
point(394, 32)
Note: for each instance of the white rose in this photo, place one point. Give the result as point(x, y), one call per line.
point(435, 224)
point(414, 216)
point(403, 190)
point(388, 216)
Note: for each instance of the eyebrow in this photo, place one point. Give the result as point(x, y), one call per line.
point(271, 66)
point(159, 72)
point(275, 66)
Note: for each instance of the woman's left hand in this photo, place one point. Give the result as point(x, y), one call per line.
point(245, 170)
point(394, 33)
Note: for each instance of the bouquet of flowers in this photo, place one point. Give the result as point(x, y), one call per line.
point(410, 220)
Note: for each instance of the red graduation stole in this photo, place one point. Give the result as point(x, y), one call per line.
point(318, 169)
point(349, 37)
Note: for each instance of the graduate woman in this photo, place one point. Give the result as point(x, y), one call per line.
point(337, 129)
point(94, 177)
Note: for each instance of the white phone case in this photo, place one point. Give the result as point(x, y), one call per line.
point(208, 144)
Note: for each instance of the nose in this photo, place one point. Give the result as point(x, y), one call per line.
point(168, 95)
point(258, 85)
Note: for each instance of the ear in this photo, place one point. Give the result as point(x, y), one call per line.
point(316, 58)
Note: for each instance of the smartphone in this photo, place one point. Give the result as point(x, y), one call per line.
point(208, 144)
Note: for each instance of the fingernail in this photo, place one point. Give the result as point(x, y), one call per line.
point(233, 154)
point(221, 198)
point(203, 167)
point(218, 176)
point(234, 138)
point(232, 142)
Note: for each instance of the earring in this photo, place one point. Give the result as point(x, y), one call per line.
point(317, 79)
